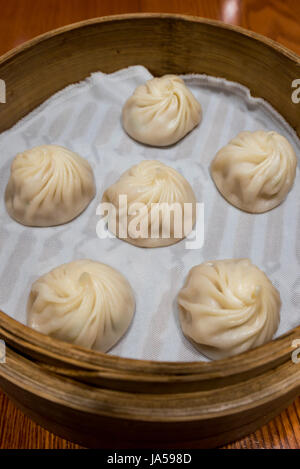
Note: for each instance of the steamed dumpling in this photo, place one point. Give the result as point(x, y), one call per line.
point(161, 112)
point(149, 201)
point(227, 307)
point(255, 171)
point(49, 185)
point(84, 302)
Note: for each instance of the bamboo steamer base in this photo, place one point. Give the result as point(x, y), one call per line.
point(101, 418)
point(104, 401)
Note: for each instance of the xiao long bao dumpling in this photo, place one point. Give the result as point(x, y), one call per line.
point(84, 302)
point(227, 307)
point(49, 185)
point(255, 171)
point(161, 112)
point(154, 204)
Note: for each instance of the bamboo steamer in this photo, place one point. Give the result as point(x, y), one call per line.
point(97, 399)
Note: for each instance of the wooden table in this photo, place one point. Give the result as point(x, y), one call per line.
point(21, 20)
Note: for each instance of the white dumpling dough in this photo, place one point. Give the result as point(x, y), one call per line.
point(84, 302)
point(147, 183)
point(49, 185)
point(227, 307)
point(255, 171)
point(161, 112)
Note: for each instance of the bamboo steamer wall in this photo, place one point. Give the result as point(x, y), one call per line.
point(96, 399)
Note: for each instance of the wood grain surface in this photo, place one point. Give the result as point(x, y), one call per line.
point(21, 20)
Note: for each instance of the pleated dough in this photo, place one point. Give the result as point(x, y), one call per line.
point(151, 191)
point(84, 302)
point(161, 112)
point(227, 307)
point(49, 185)
point(255, 171)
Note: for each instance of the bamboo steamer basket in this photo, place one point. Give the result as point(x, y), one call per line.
point(106, 401)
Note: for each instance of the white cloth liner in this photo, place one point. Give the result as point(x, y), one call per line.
point(85, 118)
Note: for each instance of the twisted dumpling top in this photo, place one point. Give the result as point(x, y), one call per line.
point(255, 171)
point(154, 195)
point(84, 302)
point(49, 185)
point(228, 306)
point(161, 112)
